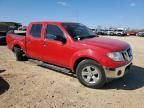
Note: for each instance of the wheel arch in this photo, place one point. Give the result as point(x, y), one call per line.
point(16, 46)
point(77, 61)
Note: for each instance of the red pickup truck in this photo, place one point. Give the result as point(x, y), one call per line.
point(75, 47)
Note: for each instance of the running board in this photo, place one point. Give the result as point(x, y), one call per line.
point(52, 67)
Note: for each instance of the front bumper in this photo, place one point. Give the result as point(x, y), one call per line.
point(117, 72)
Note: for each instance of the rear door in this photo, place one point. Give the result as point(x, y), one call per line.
point(34, 41)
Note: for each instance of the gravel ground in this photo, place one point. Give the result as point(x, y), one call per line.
point(27, 85)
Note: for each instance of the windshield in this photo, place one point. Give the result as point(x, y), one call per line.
point(79, 31)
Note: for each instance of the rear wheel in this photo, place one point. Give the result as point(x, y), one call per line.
point(19, 54)
point(91, 74)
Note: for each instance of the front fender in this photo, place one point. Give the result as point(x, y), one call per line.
point(85, 53)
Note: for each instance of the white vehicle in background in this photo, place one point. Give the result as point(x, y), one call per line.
point(120, 32)
point(94, 30)
point(110, 32)
point(20, 31)
point(22, 28)
point(140, 34)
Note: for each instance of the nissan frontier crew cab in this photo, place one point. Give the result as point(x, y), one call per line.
point(75, 47)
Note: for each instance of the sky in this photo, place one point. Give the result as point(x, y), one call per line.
point(93, 13)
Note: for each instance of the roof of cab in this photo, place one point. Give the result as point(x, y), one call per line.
point(54, 22)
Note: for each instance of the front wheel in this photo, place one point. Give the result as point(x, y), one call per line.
point(91, 74)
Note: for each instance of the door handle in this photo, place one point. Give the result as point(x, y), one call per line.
point(44, 44)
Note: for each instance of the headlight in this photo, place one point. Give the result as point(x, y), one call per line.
point(116, 56)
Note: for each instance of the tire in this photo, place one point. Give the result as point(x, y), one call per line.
point(18, 54)
point(90, 74)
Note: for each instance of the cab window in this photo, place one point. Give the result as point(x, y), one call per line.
point(36, 30)
point(53, 32)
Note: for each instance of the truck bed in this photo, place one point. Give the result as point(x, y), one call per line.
point(14, 38)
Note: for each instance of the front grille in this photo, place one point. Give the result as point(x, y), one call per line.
point(129, 51)
point(127, 54)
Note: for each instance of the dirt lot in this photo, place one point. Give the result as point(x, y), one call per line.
point(26, 85)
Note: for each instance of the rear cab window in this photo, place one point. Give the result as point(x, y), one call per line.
point(36, 30)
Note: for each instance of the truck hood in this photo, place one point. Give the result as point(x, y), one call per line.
point(112, 45)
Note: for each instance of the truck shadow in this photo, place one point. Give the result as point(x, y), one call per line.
point(61, 71)
point(132, 81)
point(4, 86)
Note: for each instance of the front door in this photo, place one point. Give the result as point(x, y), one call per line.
point(55, 51)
